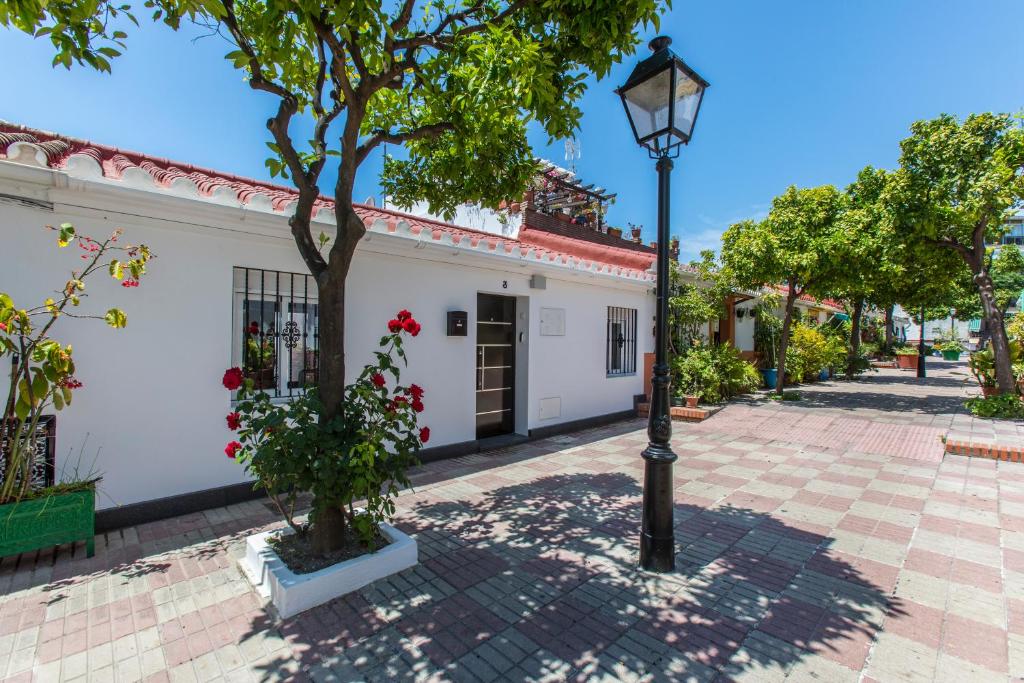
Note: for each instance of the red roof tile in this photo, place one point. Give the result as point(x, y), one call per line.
point(58, 151)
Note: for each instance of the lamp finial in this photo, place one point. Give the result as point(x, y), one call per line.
point(659, 43)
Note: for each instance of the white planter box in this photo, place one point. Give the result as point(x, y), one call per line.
point(293, 593)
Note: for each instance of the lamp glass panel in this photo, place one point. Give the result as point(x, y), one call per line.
point(647, 103)
point(687, 96)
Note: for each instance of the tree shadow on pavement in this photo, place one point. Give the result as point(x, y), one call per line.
point(537, 580)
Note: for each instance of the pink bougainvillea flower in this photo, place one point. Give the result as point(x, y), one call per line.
point(130, 283)
point(233, 378)
point(378, 380)
point(415, 390)
point(403, 315)
point(394, 326)
point(70, 383)
point(232, 448)
point(3, 327)
point(234, 420)
point(425, 435)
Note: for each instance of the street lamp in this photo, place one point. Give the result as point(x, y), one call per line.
point(661, 98)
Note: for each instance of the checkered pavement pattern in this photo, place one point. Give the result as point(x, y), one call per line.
point(814, 544)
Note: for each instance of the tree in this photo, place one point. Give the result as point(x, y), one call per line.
point(955, 185)
point(694, 304)
point(864, 253)
point(455, 83)
point(794, 246)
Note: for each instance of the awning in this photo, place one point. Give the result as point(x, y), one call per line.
point(842, 317)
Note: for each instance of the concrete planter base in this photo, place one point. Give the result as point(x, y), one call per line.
point(293, 593)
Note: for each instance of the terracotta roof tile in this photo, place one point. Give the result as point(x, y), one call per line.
point(115, 164)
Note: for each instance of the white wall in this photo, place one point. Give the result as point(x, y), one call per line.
point(152, 405)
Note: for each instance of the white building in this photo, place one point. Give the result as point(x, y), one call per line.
point(576, 308)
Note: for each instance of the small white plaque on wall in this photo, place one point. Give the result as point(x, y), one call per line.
point(550, 408)
point(552, 322)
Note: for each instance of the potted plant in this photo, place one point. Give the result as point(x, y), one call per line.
point(635, 232)
point(767, 334)
point(951, 349)
point(982, 364)
point(361, 455)
point(906, 358)
point(43, 379)
point(615, 232)
point(260, 356)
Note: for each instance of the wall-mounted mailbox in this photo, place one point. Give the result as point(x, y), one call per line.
point(458, 323)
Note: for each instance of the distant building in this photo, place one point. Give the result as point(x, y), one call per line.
point(1015, 234)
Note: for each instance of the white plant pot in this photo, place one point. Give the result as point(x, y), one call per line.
point(292, 593)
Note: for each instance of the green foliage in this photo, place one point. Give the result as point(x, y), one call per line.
point(692, 305)
point(811, 353)
point(1015, 326)
point(795, 244)
point(786, 396)
point(42, 373)
point(767, 330)
point(713, 373)
point(982, 362)
point(1004, 406)
point(362, 454)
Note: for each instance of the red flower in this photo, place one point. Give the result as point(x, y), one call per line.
point(394, 326)
point(415, 390)
point(411, 326)
point(130, 283)
point(3, 327)
point(233, 378)
point(403, 315)
point(234, 420)
point(425, 435)
point(232, 448)
point(70, 383)
point(254, 327)
point(417, 405)
point(378, 380)
point(398, 401)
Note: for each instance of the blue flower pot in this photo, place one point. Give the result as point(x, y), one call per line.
point(823, 374)
point(770, 377)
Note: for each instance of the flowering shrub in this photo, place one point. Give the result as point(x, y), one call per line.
point(359, 457)
point(42, 369)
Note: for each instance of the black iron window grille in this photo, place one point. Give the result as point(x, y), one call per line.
point(43, 469)
point(620, 355)
point(276, 330)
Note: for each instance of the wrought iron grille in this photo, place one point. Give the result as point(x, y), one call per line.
point(277, 329)
point(620, 355)
point(44, 466)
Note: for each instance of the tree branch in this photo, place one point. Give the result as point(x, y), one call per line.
point(437, 40)
point(428, 130)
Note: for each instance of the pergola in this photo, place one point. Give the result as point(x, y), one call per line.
point(558, 189)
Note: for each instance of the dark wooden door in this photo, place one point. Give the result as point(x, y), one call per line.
point(495, 364)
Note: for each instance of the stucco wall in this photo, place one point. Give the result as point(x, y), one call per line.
point(151, 412)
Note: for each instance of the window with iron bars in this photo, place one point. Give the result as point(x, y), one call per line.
point(276, 327)
point(620, 346)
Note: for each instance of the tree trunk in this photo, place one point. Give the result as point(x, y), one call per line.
point(888, 329)
point(854, 355)
point(784, 342)
point(1000, 342)
point(329, 530)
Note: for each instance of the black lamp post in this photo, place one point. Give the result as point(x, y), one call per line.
point(661, 97)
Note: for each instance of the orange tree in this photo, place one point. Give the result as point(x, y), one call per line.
point(454, 82)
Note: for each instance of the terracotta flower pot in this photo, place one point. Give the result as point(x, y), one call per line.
point(691, 401)
point(989, 391)
point(906, 362)
point(615, 232)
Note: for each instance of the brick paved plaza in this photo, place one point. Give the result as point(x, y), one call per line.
point(827, 539)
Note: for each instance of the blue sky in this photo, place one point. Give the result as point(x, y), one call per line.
point(802, 92)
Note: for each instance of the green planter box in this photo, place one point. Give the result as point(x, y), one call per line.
point(951, 355)
point(45, 522)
